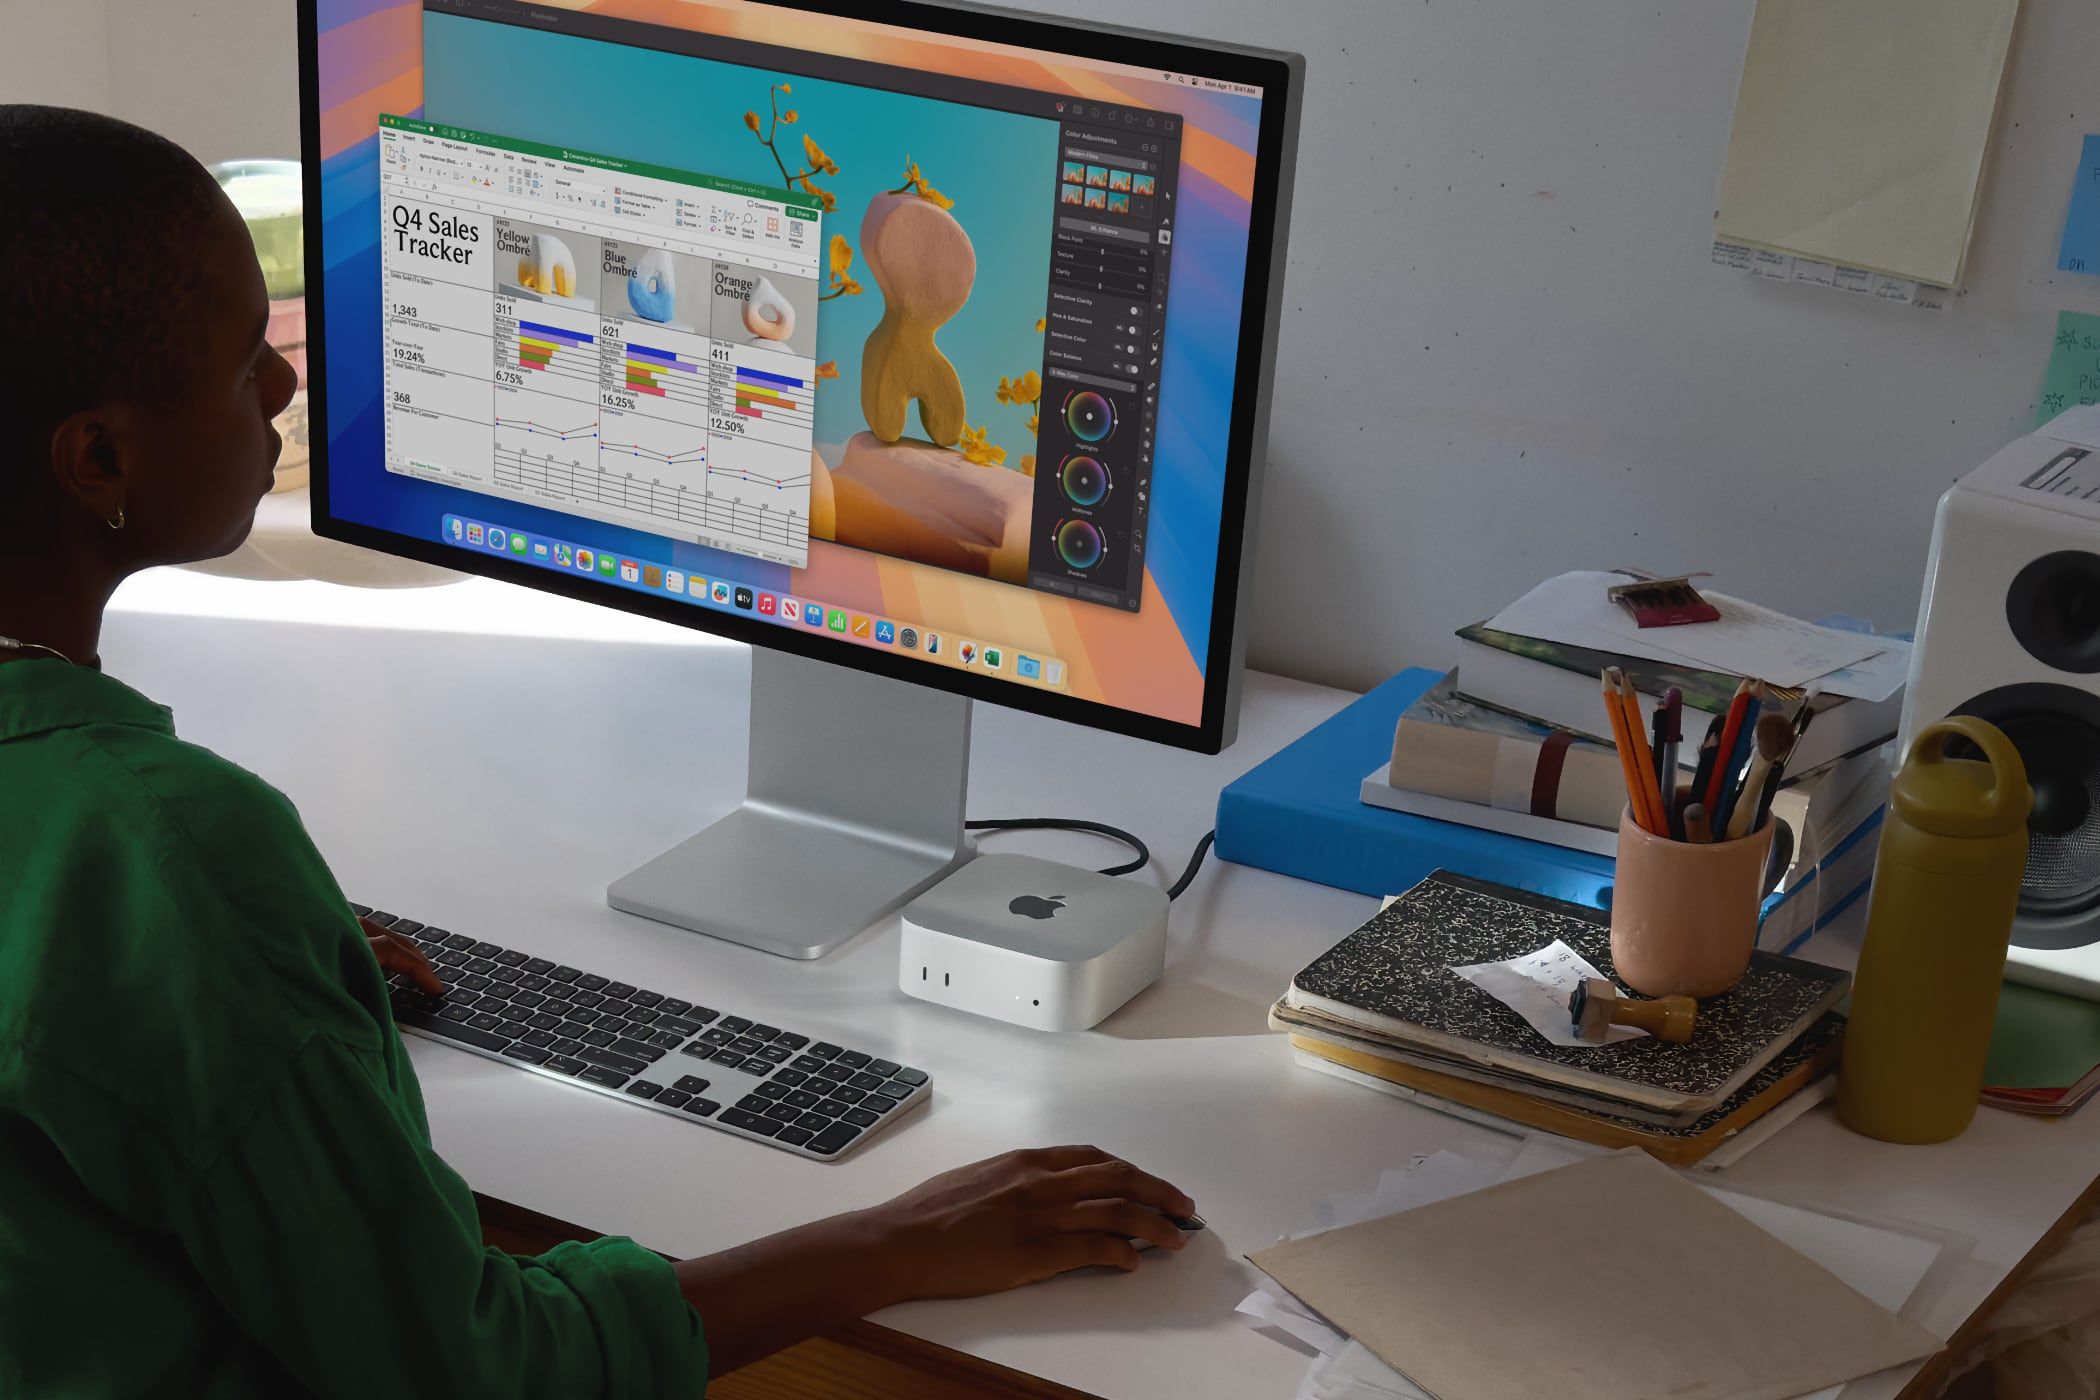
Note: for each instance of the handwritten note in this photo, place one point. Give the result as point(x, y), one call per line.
point(1537, 986)
point(2081, 246)
point(2074, 366)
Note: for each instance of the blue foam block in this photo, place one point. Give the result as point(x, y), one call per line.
point(1301, 814)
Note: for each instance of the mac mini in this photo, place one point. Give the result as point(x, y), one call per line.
point(1043, 945)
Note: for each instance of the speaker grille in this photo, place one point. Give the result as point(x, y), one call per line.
point(2056, 728)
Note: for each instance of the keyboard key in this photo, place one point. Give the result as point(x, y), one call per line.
point(360, 909)
point(511, 1028)
point(531, 1055)
point(727, 1060)
point(774, 1054)
point(485, 1021)
point(446, 1030)
point(667, 1040)
point(833, 1138)
point(791, 1077)
point(531, 1001)
point(587, 998)
point(699, 1050)
point(791, 1040)
point(749, 1122)
point(835, 1072)
point(846, 1093)
point(610, 1078)
point(736, 1025)
point(503, 973)
point(672, 1098)
point(745, 1045)
point(407, 928)
point(643, 1016)
point(544, 1022)
point(806, 1063)
point(472, 981)
point(379, 917)
point(877, 1104)
point(717, 1036)
point(480, 967)
point(672, 1006)
point(865, 1080)
point(854, 1059)
point(815, 1122)
point(591, 982)
point(563, 1064)
point(885, 1068)
point(782, 1113)
point(599, 1038)
point(702, 1108)
point(486, 950)
point(702, 1014)
point(458, 942)
point(643, 1089)
point(562, 1045)
point(533, 981)
point(592, 1055)
point(691, 1084)
point(763, 1032)
point(509, 957)
point(825, 1050)
point(770, 1091)
point(753, 1103)
point(800, 1098)
point(619, 990)
point(455, 1013)
point(678, 1024)
point(540, 965)
point(862, 1117)
point(584, 1016)
point(833, 1108)
point(752, 1066)
point(539, 1038)
point(793, 1136)
point(646, 999)
point(913, 1077)
point(616, 1025)
point(575, 1030)
point(564, 973)
point(895, 1089)
point(640, 1049)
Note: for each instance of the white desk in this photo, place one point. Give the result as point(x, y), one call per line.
point(494, 784)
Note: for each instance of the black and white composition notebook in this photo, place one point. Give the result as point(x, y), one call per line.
point(1391, 981)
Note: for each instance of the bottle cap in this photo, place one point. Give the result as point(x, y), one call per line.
point(1962, 796)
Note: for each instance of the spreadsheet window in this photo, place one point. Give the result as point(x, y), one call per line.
point(614, 340)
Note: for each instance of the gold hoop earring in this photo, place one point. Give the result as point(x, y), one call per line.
point(118, 523)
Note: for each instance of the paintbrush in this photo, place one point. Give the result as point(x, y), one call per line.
point(1774, 737)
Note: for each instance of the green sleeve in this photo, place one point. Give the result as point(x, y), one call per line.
point(338, 1242)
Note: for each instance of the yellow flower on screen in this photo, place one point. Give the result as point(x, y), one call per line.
point(751, 120)
point(828, 370)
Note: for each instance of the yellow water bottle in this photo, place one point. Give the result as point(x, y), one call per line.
point(1946, 886)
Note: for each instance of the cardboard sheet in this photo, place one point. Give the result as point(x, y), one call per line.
point(1861, 128)
point(1524, 1290)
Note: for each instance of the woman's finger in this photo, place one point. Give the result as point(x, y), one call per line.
point(1123, 1218)
point(397, 955)
point(1063, 1253)
point(1118, 1180)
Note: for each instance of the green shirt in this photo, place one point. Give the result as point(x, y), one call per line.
point(215, 1174)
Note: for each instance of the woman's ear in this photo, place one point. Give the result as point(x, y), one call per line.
point(92, 462)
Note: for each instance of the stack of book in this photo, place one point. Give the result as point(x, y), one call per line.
point(1516, 739)
point(1386, 1006)
point(2045, 1052)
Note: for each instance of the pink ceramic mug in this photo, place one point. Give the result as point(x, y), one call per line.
point(1684, 916)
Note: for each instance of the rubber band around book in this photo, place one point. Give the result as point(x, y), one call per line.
point(1545, 779)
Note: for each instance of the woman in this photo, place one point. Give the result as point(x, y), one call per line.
point(215, 1174)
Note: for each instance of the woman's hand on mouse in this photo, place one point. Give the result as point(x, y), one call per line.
point(1024, 1216)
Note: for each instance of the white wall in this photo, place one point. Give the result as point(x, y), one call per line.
point(1504, 353)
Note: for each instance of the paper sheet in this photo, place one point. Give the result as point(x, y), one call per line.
point(1537, 986)
point(2073, 376)
point(1749, 640)
point(1411, 1287)
point(2080, 249)
point(1809, 272)
point(1860, 131)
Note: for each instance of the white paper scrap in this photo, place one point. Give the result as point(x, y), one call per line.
point(1537, 986)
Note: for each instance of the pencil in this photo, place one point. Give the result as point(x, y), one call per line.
point(1651, 790)
point(1711, 796)
point(1626, 743)
point(1738, 761)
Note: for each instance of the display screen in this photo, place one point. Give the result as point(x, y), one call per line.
point(904, 340)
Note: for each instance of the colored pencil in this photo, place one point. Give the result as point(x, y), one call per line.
point(1651, 788)
point(1710, 794)
point(1738, 761)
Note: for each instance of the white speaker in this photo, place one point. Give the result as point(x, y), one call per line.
point(2009, 631)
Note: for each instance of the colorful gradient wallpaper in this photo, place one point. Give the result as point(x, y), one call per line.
point(1002, 171)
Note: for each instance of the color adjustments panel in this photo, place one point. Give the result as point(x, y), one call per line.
point(1107, 307)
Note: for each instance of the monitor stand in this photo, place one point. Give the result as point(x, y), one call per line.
point(854, 805)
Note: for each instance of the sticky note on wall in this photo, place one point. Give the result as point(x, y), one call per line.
point(2081, 246)
point(1860, 131)
point(2074, 366)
